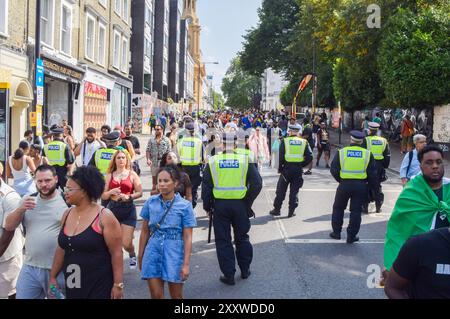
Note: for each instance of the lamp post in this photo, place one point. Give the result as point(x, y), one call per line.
point(198, 85)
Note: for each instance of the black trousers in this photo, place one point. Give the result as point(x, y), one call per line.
point(357, 192)
point(196, 180)
point(232, 213)
point(291, 175)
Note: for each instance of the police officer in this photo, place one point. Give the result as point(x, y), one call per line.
point(59, 155)
point(230, 186)
point(103, 156)
point(295, 154)
point(379, 147)
point(190, 149)
point(354, 168)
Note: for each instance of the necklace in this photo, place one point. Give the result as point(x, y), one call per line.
point(76, 226)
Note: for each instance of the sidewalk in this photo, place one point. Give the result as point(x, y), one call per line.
point(396, 156)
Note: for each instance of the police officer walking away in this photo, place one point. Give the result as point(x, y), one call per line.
point(59, 155)
point(191, 152)
point(379, 147)
point(354, 168)
point(230, 186)
point(102, 157)
point(295, 154)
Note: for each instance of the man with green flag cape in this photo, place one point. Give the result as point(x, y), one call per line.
point(423, 205)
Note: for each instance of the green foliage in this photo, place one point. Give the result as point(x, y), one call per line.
point(414, 59)
point(239, 87)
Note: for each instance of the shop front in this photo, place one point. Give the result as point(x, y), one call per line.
point(61, 91)
point(96, 99)
point(16, 97)
point(120, 102)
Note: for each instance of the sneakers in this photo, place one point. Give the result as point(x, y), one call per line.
point(308, 172)
point(133, 262)
point(275, 212)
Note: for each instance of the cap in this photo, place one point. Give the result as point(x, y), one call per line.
point(374, 126)
point(56, 130)
point(229, 138)
point(119, 129)
point(114, 136)
point(357, 135)
point(189, 126)
point(295, 127)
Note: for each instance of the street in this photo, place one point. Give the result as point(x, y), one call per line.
point(293, 258)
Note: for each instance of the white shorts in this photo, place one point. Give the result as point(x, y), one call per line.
point(9, 272)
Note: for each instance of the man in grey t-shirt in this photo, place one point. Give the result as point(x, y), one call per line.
point(41, 217)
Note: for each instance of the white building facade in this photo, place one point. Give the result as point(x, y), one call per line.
point(272, 84)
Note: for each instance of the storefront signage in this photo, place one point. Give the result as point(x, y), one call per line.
point(40, 82)
point(64, 72)
point(95, 91)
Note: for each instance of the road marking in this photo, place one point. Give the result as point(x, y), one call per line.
point(331, 241)
point(332, 190)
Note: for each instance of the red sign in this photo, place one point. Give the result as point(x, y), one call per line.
point(95, 91)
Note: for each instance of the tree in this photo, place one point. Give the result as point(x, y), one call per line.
point(239, 87)
point(414, 59)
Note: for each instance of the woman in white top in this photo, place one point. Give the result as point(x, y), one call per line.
point(36, 155)
point(20, 166)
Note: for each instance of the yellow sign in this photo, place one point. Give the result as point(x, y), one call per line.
point(38, 120)
point(33, 119)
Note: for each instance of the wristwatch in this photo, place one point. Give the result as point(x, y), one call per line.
point(119, 285)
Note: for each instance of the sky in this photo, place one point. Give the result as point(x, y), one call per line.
point(223, 24)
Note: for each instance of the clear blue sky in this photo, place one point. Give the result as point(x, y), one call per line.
point(224, 22)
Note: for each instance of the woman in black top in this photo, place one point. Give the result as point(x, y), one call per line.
point(89, 250)
point(184, 186)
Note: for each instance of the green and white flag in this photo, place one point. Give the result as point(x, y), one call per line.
point(414, 213)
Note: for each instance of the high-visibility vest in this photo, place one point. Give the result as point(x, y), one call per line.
point(354, 161)
point(229, 174)
point(246, 152)
point(103, 157)
point(295, 149)
point(55, 152)
point(190, 151)
point(377, 145)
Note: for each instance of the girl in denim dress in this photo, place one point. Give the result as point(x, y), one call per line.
point(165, 256)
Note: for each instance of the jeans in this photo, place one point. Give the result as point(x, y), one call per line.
point(33, 282)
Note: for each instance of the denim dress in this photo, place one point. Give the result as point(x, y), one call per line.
point(164, 254)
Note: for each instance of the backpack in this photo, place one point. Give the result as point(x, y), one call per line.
point(411, 155)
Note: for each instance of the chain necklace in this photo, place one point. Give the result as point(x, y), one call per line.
point(77, 225)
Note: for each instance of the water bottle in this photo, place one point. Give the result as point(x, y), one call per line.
point(56, 293)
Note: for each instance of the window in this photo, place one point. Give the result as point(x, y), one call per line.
point(116, 53)
point(148, 13)
point(125, 11)
point(66, 29)
point(4, 17)
point(47, 10)
point(101, 44)
point(124, 64)
point(90, 37)
point(117, 6)
point(103, 3)
point(148, 48)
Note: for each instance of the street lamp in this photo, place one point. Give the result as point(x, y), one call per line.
point(198, 84)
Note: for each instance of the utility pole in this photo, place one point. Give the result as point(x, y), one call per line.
point(314, 93)
point(37, 55)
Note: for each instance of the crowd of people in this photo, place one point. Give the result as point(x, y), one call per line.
point(75, 203)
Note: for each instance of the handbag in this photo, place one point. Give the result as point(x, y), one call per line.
point(158, 225)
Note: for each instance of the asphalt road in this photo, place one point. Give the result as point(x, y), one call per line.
point(293, 258)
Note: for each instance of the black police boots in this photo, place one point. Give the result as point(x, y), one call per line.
point(275, 212)
point(291, 213)
point(227, 280)
point(335, 236)
point(352, 239)
point(245, 274)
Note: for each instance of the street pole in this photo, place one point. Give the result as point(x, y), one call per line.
point(37, 55)
point(314, 98)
